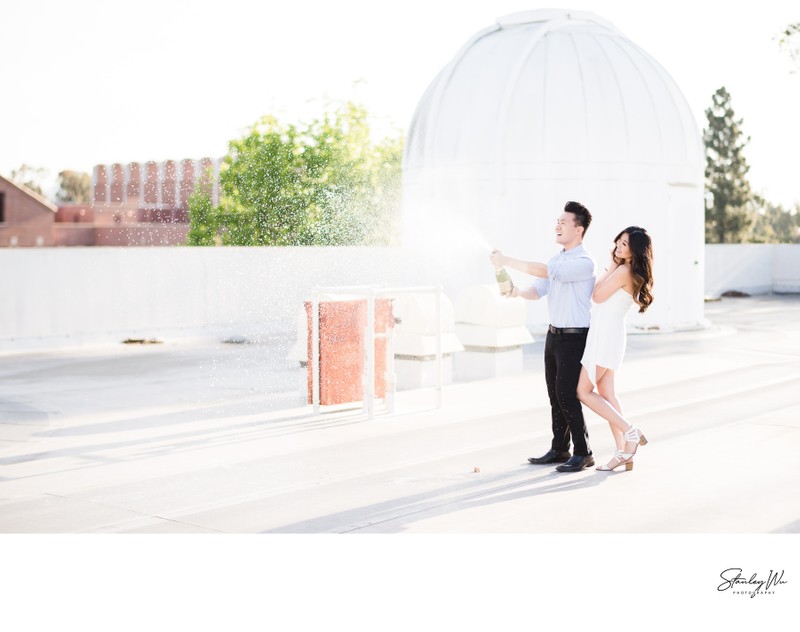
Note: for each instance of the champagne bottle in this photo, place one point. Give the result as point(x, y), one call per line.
point(504, 281)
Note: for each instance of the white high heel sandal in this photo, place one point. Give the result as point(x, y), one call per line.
point(631, 435)
point(634, 435)
point(622, 458)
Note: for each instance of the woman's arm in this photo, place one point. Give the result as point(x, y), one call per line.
point(614, 277)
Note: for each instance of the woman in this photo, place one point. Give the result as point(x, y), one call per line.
point(627, 282)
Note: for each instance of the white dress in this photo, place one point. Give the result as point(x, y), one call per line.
point(605, 343)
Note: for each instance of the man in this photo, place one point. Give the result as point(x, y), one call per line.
point(568, 280)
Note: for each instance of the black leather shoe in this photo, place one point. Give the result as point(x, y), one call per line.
point(576, 464)
point(550, 457)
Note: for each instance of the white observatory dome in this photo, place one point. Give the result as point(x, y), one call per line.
point(545, 107)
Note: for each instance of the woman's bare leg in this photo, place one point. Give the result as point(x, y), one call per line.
point(598, 404)
point(606, 390)
point(603, 407)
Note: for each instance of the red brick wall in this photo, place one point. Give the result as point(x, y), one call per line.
point(75, 213)
point(138, 204)
point(73, 234)
point(150, 186)
point(142, 235)
point(27, 220)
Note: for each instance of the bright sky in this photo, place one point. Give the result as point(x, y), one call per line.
point(88, 82)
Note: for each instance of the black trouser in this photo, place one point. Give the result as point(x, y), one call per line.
point(562, 368)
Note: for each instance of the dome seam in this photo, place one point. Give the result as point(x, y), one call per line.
point(618, 43)
point(668, 81)
point(585, 104)
point(621, 94)
point(436, 100)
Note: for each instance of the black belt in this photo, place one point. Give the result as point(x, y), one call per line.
point(567, 330)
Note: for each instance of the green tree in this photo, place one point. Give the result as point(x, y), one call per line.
point(775, 224)
point(73, 187)
point(30, 177)
point(324, 183)
point(203, 224)
point(729, 198)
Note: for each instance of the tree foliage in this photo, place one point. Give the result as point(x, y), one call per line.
point(775, 224)
point(325, 183)
point(30, 177)
point(734, 213)
point(730, 203)
point(203, 222)
point(73, 187)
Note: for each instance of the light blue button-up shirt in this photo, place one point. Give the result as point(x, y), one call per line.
point(569, 284)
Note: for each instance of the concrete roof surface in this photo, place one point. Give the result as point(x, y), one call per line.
point(191, 438)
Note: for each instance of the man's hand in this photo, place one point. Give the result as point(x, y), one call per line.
point(497, 258)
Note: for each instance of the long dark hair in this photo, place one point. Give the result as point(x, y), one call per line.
point(641, 247)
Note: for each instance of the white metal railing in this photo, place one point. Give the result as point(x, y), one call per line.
point(368, 379)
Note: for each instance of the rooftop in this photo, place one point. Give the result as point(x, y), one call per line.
point(195, 438)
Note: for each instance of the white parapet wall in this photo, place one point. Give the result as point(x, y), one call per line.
point(752, 268)
point(786, 268)
point(67, 296)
